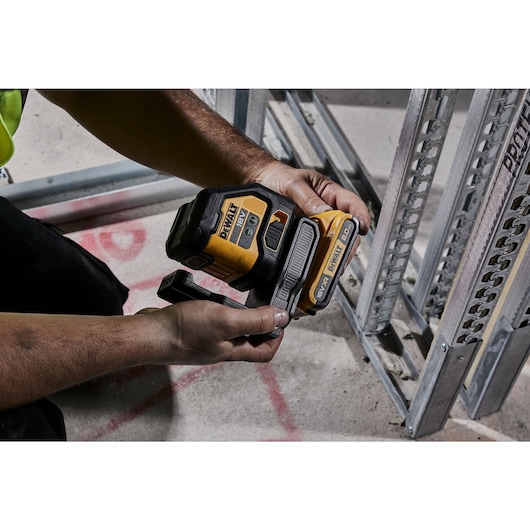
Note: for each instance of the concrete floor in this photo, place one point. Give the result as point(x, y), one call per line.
point(319, 387)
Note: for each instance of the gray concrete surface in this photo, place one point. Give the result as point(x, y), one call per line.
point(319, 387)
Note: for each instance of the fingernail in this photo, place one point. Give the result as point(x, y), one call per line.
point(281, 318)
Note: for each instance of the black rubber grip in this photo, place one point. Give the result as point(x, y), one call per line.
point(296, 266)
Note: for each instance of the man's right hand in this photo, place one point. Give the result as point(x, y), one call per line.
point(200, 332)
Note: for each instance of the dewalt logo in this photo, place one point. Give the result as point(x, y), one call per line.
point(335, 259)
point(228, 221)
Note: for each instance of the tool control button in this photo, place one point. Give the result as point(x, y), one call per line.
point(274, 234)
point(196, 262)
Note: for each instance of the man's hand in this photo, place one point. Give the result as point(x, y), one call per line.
point(313, 192)
point(42, 354)
point(199, 332)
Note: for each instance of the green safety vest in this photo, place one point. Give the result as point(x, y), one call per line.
point(10, 112)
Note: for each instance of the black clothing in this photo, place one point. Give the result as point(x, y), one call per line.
point(41, 271)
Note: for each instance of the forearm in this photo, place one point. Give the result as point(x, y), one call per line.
point(172, 131)
point(42, 354)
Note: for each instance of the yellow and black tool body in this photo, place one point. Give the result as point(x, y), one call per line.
point(236, 234)
point(251, 238)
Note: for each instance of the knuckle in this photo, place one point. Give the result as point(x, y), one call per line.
point(264, 321)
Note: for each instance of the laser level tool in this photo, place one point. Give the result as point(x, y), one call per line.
point(251, 238)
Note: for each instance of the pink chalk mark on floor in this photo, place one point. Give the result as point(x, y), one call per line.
point(164, 393)
point(281, 407)
point(266, 372)
point(123, 241)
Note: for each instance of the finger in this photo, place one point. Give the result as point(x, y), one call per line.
point(329, 195)
point(308, 201)
point(250, 350)
point(256, 321)
point(348, 201)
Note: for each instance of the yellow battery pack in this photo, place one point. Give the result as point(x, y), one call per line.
point(338, 231)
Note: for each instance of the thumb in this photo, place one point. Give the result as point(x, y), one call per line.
point(258, 321)
point(309, 202)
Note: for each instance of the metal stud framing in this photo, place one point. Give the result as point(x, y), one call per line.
point(486, 265)
point(421, 142)
point(472, 250)
point(506, 344)
point(485, 131)
point(244, 108)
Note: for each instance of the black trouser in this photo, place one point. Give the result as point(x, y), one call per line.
point(42, 271)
